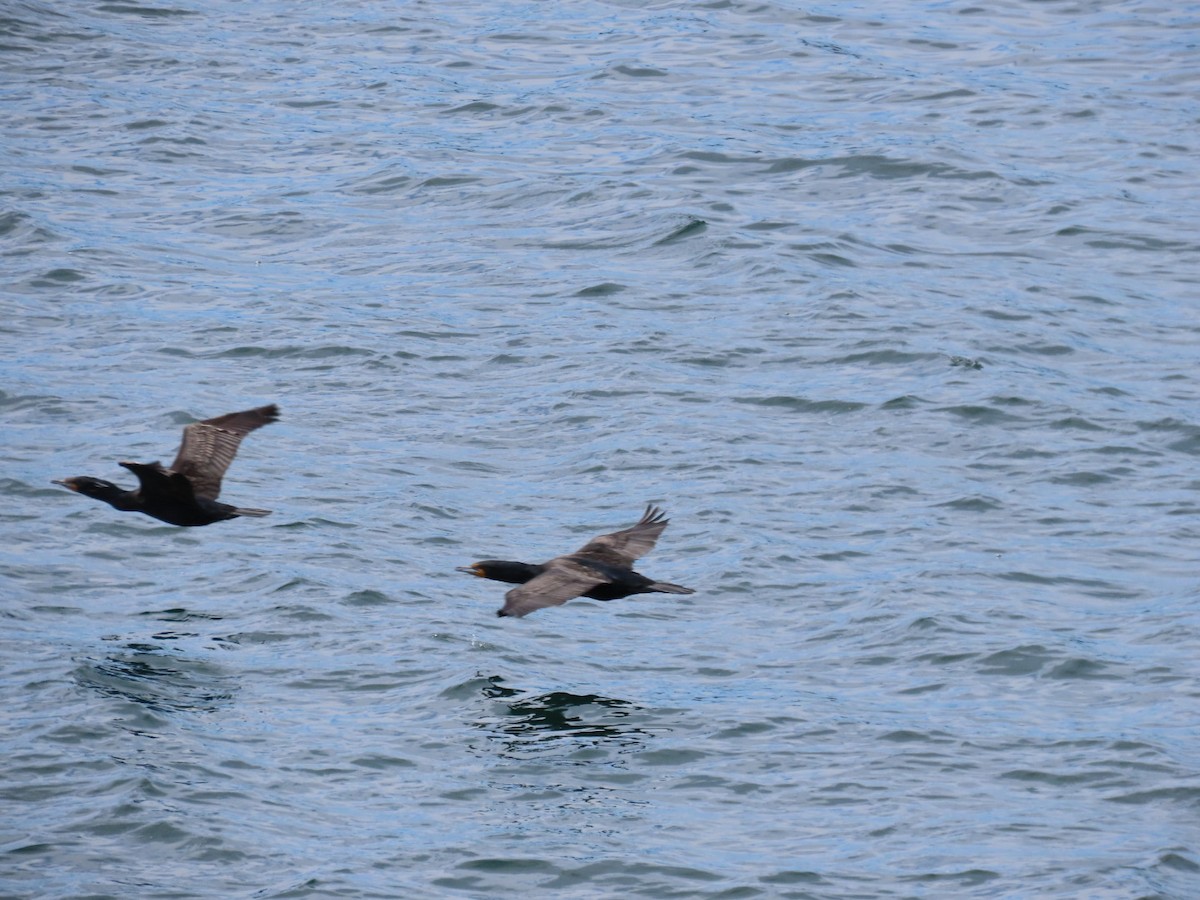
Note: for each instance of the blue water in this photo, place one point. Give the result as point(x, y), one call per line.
point(893, 309)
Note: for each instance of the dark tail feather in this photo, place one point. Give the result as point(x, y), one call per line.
point(665, 587)
point(254, 513)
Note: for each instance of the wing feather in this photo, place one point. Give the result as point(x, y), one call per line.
point(209, 447)
point(623, 548)
point(562, 580)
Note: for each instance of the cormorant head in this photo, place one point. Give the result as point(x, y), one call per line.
point(89, 486)
point(502, 570)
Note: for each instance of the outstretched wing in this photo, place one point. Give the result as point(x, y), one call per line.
point(209, 447)
point(562, 580)
point(622, 548)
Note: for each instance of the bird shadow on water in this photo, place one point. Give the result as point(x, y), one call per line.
point(526, 724)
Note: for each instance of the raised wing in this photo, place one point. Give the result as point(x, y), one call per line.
point(622, 548)
point(209, 447)
point(562, 580)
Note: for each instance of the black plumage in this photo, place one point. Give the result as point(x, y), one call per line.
point(186, 493)
point(601, 569)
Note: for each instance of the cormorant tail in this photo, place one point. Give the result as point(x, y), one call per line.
point(665, 587)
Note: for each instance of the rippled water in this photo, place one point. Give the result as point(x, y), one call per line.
point(894, 310)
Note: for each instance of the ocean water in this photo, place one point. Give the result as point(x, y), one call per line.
point(894, 308)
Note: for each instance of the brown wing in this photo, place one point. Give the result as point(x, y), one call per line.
point(622, 548)
point(209, 447)
point(562, 580)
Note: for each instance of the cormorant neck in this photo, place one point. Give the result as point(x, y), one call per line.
point(512, 572)
point(112, 494)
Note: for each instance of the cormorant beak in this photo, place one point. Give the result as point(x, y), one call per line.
point(68, 483)
point(470, 570)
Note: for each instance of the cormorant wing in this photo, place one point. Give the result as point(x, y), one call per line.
point(563, 579)
point(159, 485)
point(209, 447)
point(622, 548)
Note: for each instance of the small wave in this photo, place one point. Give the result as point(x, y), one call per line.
point(803, 404)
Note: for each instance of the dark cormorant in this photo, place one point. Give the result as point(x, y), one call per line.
point(186, 493)
point(601, 569)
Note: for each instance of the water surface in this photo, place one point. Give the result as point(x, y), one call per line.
point(893, 310)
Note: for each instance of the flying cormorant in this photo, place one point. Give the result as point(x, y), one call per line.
point(601, 569)
point(186, 493)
